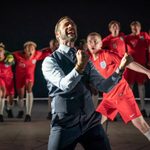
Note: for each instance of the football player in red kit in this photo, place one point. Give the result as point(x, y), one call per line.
point(120, 99)
point(116, 40)
point(24, 73)
point(138, 44)
point(6, 81)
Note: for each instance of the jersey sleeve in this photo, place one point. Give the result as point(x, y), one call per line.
point(40, 55)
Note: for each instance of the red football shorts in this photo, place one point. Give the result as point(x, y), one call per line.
point(125, 106)
point(22, 80)
point(8, 83)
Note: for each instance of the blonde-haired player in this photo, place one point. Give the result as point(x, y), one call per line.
point(24, 72)
point(120, 99)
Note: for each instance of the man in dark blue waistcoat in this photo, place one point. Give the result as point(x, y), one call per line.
point(68, 73)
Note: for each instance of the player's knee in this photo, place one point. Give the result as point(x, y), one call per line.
point(138, 122)
point(29, 86)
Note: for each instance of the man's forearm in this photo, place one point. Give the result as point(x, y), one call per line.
point(137, 67)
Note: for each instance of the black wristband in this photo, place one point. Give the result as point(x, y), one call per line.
point(119, 71)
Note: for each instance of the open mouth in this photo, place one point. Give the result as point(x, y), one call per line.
point(71, 32)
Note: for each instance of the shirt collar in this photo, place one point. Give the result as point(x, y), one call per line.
point(65, 48)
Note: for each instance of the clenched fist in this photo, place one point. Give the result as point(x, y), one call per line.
point(82, 59)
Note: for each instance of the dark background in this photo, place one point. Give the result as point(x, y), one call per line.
point(35, 20)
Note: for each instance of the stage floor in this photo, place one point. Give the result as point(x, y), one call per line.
point(17, 135)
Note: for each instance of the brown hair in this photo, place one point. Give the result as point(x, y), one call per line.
point(113, 22)
point(62, 18)
point(135, 23)
point(58, 23)
point(2, 45)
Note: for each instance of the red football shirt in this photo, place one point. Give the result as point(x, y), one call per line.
point(106, 64)
point(5, 70)
point(138, 46)
point(117, 44)
point(26, 66)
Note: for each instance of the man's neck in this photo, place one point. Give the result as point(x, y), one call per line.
point(27, 56)
point(95, 56)
point(67, 43)
point(135, 33)
point(115, 34)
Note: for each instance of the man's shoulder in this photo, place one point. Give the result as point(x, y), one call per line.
point(56, 54)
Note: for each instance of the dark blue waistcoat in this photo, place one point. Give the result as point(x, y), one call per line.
point(78, 99)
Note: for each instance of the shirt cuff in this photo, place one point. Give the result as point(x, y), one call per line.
point(118, 71)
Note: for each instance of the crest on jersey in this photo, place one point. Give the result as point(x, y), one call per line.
point(33, 61)
point(142, 37)
point(133, 43)
point(114, 45)
point(22, 65)
point(103, 64)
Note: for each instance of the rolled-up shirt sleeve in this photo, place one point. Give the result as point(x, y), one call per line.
point(54, 74)
point(102, 84)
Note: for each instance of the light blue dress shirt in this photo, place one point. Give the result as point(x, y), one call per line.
point(53, 73)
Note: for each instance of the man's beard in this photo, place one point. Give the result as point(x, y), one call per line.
point(69, 38)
